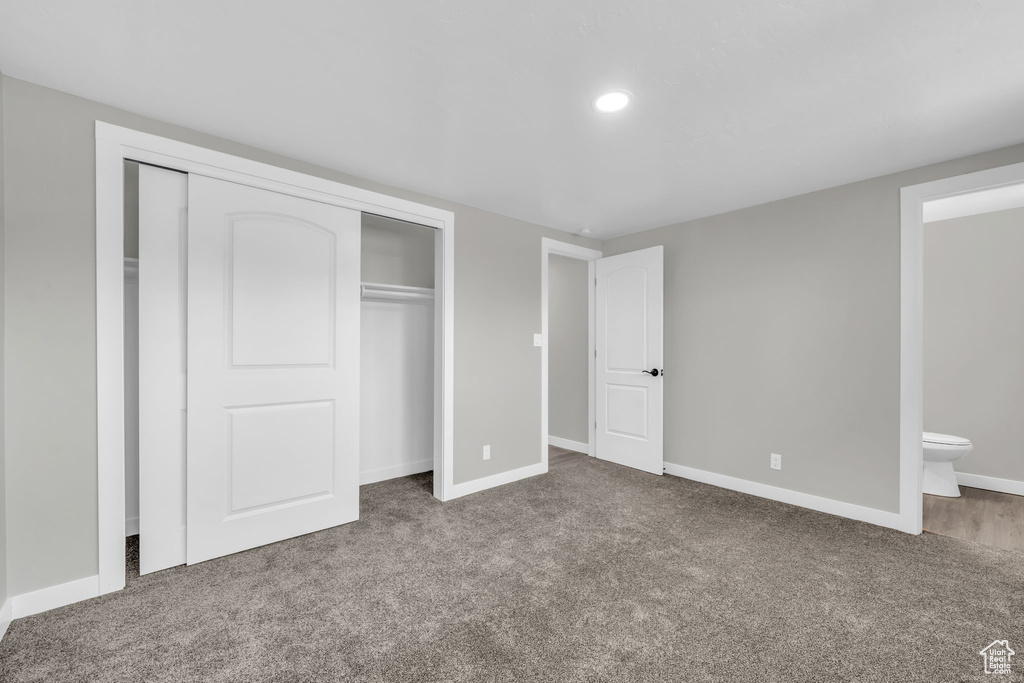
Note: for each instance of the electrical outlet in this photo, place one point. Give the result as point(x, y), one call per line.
point(776, 461)
point(487, 452)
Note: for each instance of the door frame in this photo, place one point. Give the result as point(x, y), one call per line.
point(912, 204)
point(114, 146)
point(550, 247)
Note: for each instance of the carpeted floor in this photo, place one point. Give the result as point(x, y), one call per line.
point(592, 572)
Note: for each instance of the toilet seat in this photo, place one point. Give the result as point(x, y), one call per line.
point(945, 439)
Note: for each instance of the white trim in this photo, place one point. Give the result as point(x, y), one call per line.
point(804, 500)
point(131, 526)
point(114, 144)
point(1000, 198)
point(577, 446)
point(6, 616)
point(394, 471)
point(477, 485)
point(912, 200)
point(45, 599)
point(110, 361)
point(981, 481)
point(547, 248)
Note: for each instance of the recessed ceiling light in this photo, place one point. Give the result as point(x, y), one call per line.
point(613, 101)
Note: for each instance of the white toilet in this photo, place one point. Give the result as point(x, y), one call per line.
point(940, 452)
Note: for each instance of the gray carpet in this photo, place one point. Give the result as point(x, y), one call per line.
point(590, 573)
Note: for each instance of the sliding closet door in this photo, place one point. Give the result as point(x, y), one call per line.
point(273, 347)
point(163, 226)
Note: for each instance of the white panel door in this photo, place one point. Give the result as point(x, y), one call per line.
point(630, 370)
point(163, 231)
point(273, 348)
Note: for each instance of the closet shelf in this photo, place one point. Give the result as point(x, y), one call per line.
point(371, 291)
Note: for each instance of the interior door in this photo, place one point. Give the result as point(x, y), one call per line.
point(163, 228)
point(273, 348)
point(630, 370)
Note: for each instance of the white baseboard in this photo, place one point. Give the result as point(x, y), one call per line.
point(477, 485)
point(6, 616)
point(804, 500)
point(980, 481)
point(577, 446)
point(44, 599)
point(131, 526)
point(403, 470)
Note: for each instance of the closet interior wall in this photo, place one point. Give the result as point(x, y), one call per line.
point(397, 351)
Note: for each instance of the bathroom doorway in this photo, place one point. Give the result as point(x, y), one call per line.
point(962, 366)
point(973, 378)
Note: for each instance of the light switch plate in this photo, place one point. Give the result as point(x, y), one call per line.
point(538, 340)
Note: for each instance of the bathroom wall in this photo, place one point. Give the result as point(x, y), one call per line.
point(974, 338)
point(568, 343)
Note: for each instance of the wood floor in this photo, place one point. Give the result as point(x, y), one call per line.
point(995, 519)
point(562, 458)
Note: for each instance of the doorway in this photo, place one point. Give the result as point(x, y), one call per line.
point(973, 381)
point(397, 350)
point(919, 202)
point(625, 355)
point(396, 331)
point(568, 344)
point(114, 146)
point(567, 394)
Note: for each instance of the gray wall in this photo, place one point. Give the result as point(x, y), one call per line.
point(974, 338)
point(567, 348)
point(782, 335)
point(3, 464)
point(397, 253)
point(51, 328)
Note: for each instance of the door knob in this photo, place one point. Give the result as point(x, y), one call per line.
point(655, 372)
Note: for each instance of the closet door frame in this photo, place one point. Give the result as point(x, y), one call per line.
point(114, 146)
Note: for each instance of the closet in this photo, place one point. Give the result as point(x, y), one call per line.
point(397, 359)
point(297, 338)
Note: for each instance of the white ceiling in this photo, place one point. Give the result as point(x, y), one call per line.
point(488, 103)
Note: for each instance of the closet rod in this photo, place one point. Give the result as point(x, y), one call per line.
point(414, 295)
